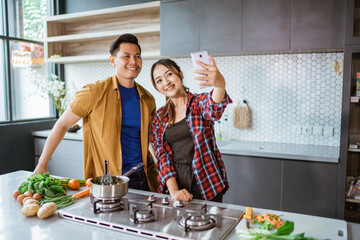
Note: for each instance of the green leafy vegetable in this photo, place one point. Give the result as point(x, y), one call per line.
point(282, 233)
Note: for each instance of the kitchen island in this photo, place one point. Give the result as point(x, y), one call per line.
point(13, 225)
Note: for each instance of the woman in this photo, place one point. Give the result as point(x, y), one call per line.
point(183, 137)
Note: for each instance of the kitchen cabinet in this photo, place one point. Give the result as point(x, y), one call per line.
point(67, 159)
point(234, 26)
point(287, 185)
point(266, 25)
point(251, 179)
point(220, 26)
point(87, 36)
point(352, 30)
point(309, 188)
point(317, 24)
point(179, 27)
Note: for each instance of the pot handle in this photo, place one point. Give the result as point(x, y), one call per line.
point(133, 170)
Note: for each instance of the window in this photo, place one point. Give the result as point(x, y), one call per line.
point(2, 83)
point(27, 65)
point(22, 48)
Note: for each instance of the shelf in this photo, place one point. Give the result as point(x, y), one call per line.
point(106, 13)
point(95, 58)
point(352, 200)
point(105, 34)
point(87, 36)
point(354, 149)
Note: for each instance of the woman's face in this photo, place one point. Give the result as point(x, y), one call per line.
point(167, 82)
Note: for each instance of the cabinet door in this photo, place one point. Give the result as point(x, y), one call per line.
point(66, 161)
point(310, 188)
point(179, 28)
point(254, 182)
point(220, 26)
point(266, 25)
point(352, 31)
point(317, 24)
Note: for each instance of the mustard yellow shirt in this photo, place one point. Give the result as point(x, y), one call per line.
point(99, 104)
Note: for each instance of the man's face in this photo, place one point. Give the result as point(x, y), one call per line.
point(127, 62)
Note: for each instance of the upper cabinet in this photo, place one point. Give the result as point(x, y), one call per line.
point(219, 28)
point(87, 36)
point(317, 24)
point(266, 25)
point(241, 26)
point(179, 27)
point(352, 22)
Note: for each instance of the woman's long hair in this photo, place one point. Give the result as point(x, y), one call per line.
point(169, 105)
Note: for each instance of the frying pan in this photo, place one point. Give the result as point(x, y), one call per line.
point(114, 191)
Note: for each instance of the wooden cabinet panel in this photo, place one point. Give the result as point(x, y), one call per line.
point(254, 182)
point(310, 188)
point(317, 24)
point(179, 28)
point(220, 26)
point(266, 25)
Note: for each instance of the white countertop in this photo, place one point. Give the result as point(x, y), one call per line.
point(13, 225)
point(292, 151)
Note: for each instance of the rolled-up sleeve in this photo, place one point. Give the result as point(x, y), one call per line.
point(211, 110)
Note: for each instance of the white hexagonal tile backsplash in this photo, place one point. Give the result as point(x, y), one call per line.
point(294, 98)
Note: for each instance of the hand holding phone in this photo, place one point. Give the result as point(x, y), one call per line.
point(201, 56)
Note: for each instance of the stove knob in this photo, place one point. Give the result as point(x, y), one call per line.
point(151, 198)
point(178, 203)
point(165, 201)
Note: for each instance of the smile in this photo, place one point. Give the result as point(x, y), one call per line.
point(170, 88)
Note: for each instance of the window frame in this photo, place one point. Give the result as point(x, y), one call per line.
point(55, 68)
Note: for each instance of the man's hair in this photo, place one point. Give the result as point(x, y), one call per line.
point(125, 38)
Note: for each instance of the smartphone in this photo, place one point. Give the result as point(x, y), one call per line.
point(202, 56)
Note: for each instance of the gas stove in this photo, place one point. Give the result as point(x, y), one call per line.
point(156, 216)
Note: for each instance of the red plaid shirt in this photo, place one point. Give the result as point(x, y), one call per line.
point(208, 167)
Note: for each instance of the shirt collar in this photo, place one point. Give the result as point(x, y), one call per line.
point(115, 86)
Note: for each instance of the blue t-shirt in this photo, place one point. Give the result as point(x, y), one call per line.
point(130, 128)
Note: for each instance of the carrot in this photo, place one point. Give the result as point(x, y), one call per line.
point(82, 193)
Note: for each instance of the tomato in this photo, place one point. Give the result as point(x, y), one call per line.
point(88, 182)
point(74, 184)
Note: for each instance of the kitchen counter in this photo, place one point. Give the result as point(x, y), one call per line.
point(301, 152)
point(13, 225)
point(280, 150)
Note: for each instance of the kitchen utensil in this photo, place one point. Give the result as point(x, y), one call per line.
point(106, 179)
point(114, 191)
point(242, 116)
point(133, 170)
point(248, 216)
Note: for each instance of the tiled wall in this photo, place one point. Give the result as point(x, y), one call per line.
point(294, 98)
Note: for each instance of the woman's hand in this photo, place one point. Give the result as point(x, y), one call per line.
point(211, 75)
point(182, 194)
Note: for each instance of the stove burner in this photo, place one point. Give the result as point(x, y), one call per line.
point(196, 221)
point(106, 205)
point(142, 215)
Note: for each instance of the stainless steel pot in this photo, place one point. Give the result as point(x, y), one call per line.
point(116, 190)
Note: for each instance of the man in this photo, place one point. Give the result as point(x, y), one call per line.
point(117, 114)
